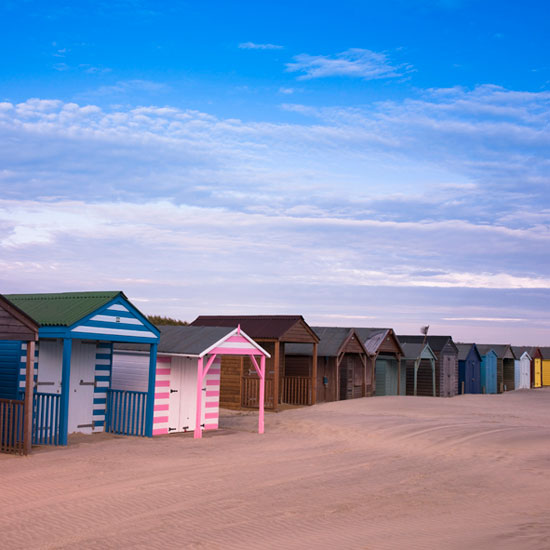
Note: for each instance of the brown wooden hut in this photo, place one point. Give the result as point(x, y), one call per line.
point(388, 374)
point(446, 367)
point(420, 364)
point(284, 383)
point(341, 363)
point(505, 364)
point(16, 414)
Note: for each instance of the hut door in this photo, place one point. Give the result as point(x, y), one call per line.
point(50, 360)
point(182, 401)
point(346, 378)
point(81, 387)
point(546, 372)
point(538, 374)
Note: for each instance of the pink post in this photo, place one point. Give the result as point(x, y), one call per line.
point(262, 395)
point(198, 432)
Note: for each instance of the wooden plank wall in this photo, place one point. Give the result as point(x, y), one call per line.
point(13, 329)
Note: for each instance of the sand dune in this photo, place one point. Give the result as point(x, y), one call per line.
point(378, 473)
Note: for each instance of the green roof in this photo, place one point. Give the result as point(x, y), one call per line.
point(61, 309)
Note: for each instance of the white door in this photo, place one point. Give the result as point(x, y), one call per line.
point(183, 389)
point(81, 387)
point(50, 363)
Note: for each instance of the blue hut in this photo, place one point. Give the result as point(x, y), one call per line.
point(72, 371)
point(489, 360)
point(469, 369)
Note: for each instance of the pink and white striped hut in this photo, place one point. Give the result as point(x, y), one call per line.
point(187, 379)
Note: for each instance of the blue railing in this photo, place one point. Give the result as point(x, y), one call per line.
point(45, 412)
point(45, 426)
point(126, 412)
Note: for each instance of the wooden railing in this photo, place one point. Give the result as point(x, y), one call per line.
point(45, 426)
point(251, 393)
point(126, 412)
point(296, 390)
point(11, 426)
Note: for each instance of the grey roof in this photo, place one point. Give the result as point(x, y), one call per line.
point(330, 342)
point(413, 350)
point(437, 343)
point(520, 350)
point(184, 340)
point(499, 349)
point(463, 350)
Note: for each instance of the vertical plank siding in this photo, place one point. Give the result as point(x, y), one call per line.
point(126, 412)
point(296, 390)
point(11, 426)
point(251, 391)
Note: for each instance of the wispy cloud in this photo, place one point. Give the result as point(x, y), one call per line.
point(256, 46)
point(355, 62)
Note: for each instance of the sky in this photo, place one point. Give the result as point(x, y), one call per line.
point(382, 164)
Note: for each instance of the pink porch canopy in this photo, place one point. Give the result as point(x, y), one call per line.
point(234, 343)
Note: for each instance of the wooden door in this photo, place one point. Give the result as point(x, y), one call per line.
point(346, 378)
point(182, 403)
point(81, 387)
point(447, 376)
point(546, 372)
point(537, 383)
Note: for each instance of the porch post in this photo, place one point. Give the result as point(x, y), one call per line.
point(399, 375)
point(65, 388)
point(29, 399)
point(276, 373)
point(262, 395)
point(314, 376)
point(433, 376)
point(416, 365)
point(198, 432)
point(150, 408)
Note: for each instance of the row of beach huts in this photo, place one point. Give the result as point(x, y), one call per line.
point(92, 362)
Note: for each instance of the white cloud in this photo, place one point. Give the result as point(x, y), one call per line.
point(255, 46)
point(355, 62)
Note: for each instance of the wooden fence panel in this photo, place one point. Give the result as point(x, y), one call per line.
point(296, 390)
point(11, 426)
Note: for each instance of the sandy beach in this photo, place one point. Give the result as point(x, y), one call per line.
point(387, 472)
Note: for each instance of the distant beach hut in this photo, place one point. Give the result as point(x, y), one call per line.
point(523, 372)
point(420, 362)
point(187, 382)
point(342, 368)
point(489, 361)
point(294, 384)
point(18, 332)
point(545, 366)
point(384, 356)
point(76, 331)
point(505, 365)
point(469, 368)
point(446, 367)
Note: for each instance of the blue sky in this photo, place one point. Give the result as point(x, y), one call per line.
point(377, 164)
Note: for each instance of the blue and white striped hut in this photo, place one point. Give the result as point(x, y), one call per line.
point(73, 360)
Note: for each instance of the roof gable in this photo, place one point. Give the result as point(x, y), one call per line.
point(332, 342)
point(437, 343)
point(198, 341)
point(414, 351)
point(14, 323)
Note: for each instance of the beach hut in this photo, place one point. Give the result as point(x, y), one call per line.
point(505, 365)
point(469, 368)
point(188, 368)
point(341, 363)
point(536, 368)
point(489, 362)
point(76, 331)
point(384, 361)
point(545, 366)
point(523, 372)
point(420, 362)
point(522, 366)
point(18, 333)
point(446, 367)
point(295, 384)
